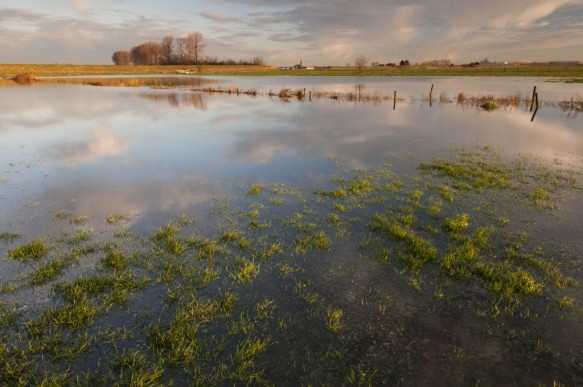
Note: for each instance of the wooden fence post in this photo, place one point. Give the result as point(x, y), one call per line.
point(532, 100)
point(395, 100)
point(535, 110)
point(431, 96)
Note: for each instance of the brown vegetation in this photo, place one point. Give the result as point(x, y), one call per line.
point(25, 79)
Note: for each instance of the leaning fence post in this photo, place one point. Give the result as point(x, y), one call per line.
point(532, 100)
point(395, 100)
point(535, 110)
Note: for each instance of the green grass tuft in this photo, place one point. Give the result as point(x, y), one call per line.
point(255, 189)
point(34, 250)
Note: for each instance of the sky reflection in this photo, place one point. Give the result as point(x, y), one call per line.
point(97, 151)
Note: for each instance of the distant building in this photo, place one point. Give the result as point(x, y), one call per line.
point(297, 67)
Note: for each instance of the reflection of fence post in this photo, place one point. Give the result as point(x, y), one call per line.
point(532, 100)
point(535, 110)
point(431, 96)
point(395, 100)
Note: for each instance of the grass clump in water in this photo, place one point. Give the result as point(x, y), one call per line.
point(9, 237)
point(116, 219)
point(135, 370)
point(540, 197)
point(73, 316)
point(255, 189)
point(360, 187)
point(471, 170)
point(49, 271)
point(334, 319)
point(458, 263)
point(34, 251)
point(206, 249)
point(506, 281)
point(313, 240)
point(244, 271)
point(166, 238)
point(458, 224)
point(79, 219)
point(115, 260)
point(489, 105)
point(417, 251)
point(245, 359)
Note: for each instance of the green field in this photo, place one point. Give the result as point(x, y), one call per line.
point(569, 72)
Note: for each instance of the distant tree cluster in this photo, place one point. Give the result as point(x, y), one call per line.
point(361, 62)
point(187, 50)
point(437, 62)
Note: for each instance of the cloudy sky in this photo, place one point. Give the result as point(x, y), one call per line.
point(324, 32)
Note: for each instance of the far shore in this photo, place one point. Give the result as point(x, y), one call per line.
point(568, 72)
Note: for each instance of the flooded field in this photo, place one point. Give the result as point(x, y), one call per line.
point(155, 236)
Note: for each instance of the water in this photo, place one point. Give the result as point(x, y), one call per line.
point(73, 155)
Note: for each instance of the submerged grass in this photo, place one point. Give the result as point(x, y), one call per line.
point(9, 237)
point(237, 303)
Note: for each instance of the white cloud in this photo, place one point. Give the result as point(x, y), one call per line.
point(102, 144)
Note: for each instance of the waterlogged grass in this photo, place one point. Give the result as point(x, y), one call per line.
point(414, 250)
point(9, 237)
point(255, 189)
point(114, 219)
point(34, 251)
point(357, 280)
point(490, 106)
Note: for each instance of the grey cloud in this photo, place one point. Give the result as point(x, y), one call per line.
point(283, 37)
point(214, 16)
point(418, 28)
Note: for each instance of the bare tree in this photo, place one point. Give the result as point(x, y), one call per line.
point(180, 50)
point(360, 62)
point(167, 50)
point(194, 47)
point(121, 58)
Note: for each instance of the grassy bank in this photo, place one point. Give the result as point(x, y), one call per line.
point(571, 72)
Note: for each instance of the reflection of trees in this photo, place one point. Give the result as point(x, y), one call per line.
point(572, 107)
point(195, 100)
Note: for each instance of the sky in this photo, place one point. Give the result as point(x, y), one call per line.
point(283, 32)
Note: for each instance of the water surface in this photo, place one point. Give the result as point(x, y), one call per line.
point(72, 155)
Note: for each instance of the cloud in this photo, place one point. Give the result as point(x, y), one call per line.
point(391, 29)
point(102, 144)
point(326, 32)
point(282, 37)
point(218, 17)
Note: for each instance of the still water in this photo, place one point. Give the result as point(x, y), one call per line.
point(354, 310)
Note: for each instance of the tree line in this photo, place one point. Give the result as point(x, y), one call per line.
point(186, 50)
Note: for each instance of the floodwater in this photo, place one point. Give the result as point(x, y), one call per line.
point(73, 155)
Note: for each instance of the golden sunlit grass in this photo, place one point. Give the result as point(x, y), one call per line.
point(43, 70)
